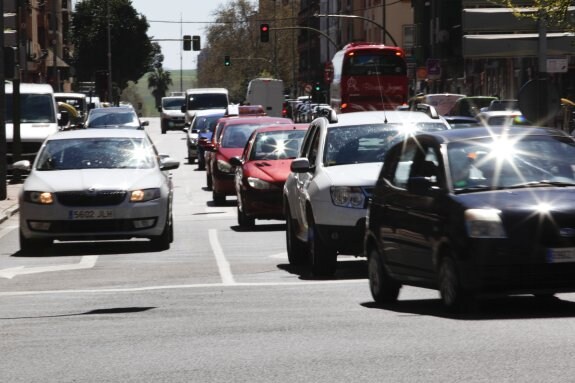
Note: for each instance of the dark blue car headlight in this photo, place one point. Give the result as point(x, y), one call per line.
point(484, 223)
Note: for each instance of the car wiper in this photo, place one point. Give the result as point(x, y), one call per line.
point(472, 189)
point(541, 183)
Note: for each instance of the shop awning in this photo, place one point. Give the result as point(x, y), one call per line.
point(59, 62)
point(516, 45)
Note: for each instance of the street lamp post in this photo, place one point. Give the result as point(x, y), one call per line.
point(361, 18)
point(110, 99)
point(308, 28)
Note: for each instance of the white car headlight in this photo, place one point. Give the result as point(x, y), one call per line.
point(143, 195)
point(484, 223)
point(224, 166)
point(41, 198)
point(260, 184)
point(348, 196)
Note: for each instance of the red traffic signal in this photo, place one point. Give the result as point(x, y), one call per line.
point(264, 33)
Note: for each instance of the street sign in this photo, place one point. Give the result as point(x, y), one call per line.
point(557, 65)
point(308, 88)
point(433, 68)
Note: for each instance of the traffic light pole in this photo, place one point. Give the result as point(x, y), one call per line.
point(3, 165)
point(361, 18)
point(311, 29)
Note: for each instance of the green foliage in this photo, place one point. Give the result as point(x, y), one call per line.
point(159, 81)
point(556, 12)
point(138, 92)
point(131, 50)
point(236, 33)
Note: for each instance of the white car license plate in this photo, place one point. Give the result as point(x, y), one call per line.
point(91, 214)
point(559, 255)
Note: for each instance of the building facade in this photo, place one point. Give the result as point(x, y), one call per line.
point(40, 36)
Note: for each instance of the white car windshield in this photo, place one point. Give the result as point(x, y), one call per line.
point(127, 119)
point(368, 143)
point(91, 153)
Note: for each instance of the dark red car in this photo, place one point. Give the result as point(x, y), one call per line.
point(233, 112)
point(232, 136)
point(262, 170)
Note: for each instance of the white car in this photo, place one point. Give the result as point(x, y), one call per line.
point(96, 184)
point(502, 117)
point(326, 195)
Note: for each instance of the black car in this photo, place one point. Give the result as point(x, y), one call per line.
point(486, 210)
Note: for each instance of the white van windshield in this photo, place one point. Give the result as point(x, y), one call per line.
point(207, 101)
point(34, 108)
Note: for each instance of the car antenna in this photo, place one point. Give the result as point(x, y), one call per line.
point(381, 96)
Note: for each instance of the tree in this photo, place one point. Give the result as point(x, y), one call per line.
point(236, 33)
point(159, 81)
point(556, 12)
point(131, 48)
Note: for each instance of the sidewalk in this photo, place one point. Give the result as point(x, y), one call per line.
point(9, 206)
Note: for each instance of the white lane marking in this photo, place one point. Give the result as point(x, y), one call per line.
point(174, 287)
point(7, 230)
point(87, 262)
point(223, 264)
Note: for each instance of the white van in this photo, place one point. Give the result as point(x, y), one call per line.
point(77, 100)
point(203, 99)
point(38, 119)
point(267, 92)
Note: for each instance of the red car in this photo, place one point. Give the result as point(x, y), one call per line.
point(262, 170)
point(233, 112)
point(232, 136)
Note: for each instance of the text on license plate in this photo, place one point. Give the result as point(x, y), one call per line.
point(565, 254)
point(91, 214)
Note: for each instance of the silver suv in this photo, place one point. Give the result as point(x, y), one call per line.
point(171, 115)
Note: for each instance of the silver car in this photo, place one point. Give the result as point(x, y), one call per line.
point(96, 184)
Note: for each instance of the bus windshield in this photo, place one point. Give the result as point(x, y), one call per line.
point(374, 64)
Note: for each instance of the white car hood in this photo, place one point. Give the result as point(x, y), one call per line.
point(364, 174)
point(99, 179)
point(173, 113)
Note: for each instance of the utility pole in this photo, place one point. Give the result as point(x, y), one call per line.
point(54, 40)
point(181, 57)
point(110, 98)
point(3, 190)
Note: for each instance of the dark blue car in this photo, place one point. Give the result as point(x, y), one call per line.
point(203, 125)
point(477, 211)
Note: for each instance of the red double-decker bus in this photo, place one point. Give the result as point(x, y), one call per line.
point(368, 76)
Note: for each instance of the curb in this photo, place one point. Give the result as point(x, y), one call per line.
point(7, 213)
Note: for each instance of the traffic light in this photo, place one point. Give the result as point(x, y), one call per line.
point(187, 43)
point(317, 87)
point(264, 33)
point(227, 61)
point(196, 43)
